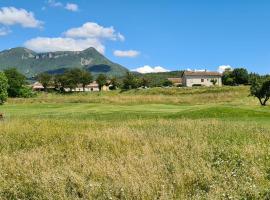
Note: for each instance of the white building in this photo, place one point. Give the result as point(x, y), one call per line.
point(201, 78)
point(92, 87)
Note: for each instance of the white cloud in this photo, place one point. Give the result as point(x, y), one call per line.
point(129, 53)
point(75, 39)
point(4, 31)
point(69, 6)
point(121, 37)
point(45, 44)
point(12, 16)
point(148, 69)
point(72, 7)
point(54, 3)
point(93, 30)
point(222, 68)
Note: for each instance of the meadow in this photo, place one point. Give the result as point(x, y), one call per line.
point(160, 143)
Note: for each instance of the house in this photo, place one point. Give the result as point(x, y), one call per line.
point(92, 87)
point(37, 86)
point(176, 81)
point(201, 78)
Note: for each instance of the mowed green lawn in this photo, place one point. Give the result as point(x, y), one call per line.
point(201, 143)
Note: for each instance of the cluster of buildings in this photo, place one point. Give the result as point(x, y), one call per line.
point(92, 87)
point(188, 79)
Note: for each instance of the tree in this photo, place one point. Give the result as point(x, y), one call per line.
point(130, 81)
point(101, 81)
point(71, 78)
point(3, 88)
point(59, 82)
point(85, 78)
point(227, 77)
point(114, 84)
point(252, 77)
point(261, 90)
point(240, 76)
point(45, 79)
point(144, 82)
point(16, 80)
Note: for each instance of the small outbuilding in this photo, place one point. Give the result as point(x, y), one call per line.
point(176, 81)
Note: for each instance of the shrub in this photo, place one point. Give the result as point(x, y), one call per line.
point(167, 83)
point(3, 88)
point(26, 92)
point(16, 80)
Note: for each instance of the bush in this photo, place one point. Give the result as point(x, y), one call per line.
point(16, 80)
point(167, 83)
point(26, 92)
point(3, 88)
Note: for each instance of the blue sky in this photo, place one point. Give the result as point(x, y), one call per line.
point(173, 34)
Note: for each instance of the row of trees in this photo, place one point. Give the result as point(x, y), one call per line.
point(74, 77)
point(240, 76)
point(237, 76)
point(70, 79)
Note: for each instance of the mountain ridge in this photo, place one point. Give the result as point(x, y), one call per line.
point(31, 63)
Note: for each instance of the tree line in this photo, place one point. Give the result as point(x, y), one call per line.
point(240, 76)
point(73, 77)
point(259, 85)
point(14, 84)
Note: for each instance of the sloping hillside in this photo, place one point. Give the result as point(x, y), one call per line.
point(31, 63)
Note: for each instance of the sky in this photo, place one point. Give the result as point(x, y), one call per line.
point(146, 35)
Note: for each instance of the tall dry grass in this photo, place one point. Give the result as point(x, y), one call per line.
point(148, 96)
point(134, 159)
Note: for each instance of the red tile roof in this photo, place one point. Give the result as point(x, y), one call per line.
point(201, 73)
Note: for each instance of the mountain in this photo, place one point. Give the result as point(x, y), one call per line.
point(31, 63)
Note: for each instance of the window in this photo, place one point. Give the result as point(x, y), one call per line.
point(202, 80)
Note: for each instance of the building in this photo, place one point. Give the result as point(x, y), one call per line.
point(92, 87)
point(176, 81)
point(201, 78)
point(37, 86)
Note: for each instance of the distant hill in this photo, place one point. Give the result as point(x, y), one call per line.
point(31, 63)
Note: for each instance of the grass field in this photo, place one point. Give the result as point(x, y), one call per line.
point(200, 143)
